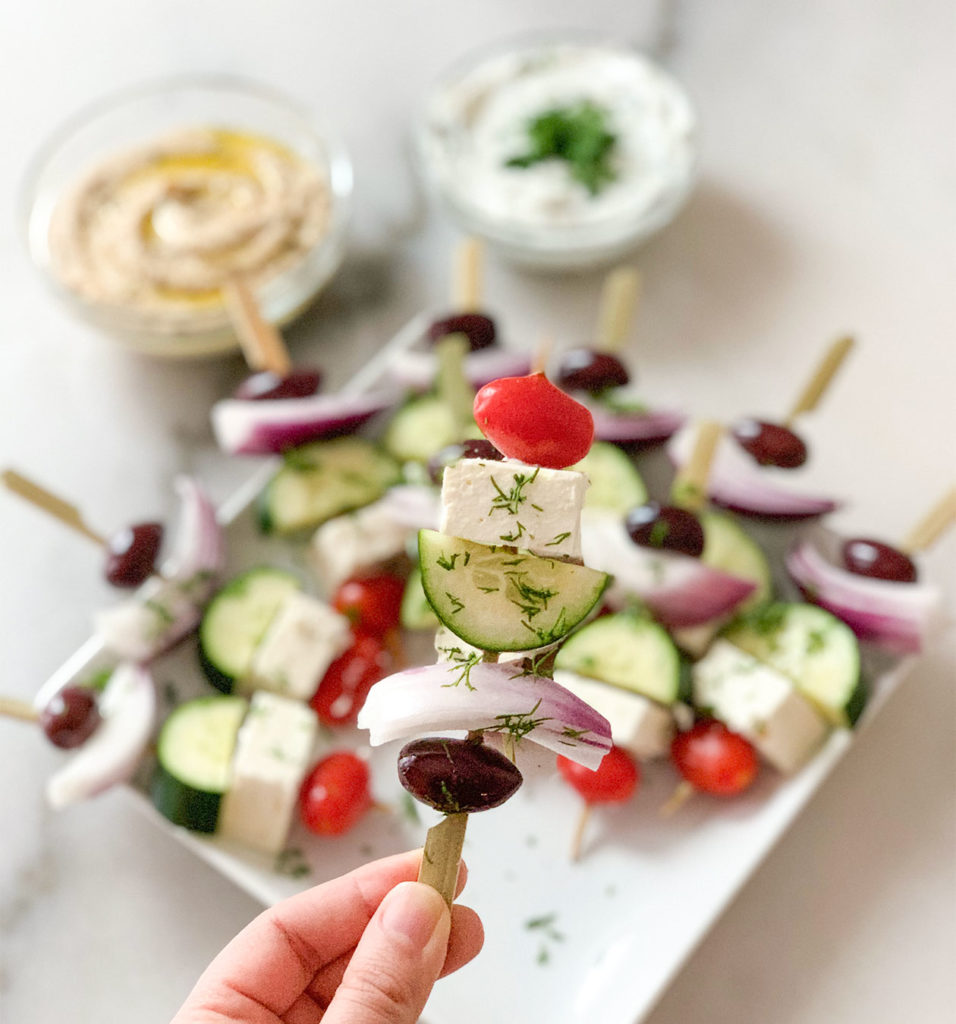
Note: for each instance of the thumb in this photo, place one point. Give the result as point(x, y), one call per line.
point(397, 961)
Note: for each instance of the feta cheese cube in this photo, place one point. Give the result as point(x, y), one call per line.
point(274, 750)
point(304, 638)
point(452, 648)
point(761, 704)
point(353, 543)
point(641, 726)
point(513, 503)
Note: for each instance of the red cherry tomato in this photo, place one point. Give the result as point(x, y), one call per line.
point(613, 782)
point(530, 419)
point(335, 794)
point(345, 685)
point(372, 604)
point(714, 759)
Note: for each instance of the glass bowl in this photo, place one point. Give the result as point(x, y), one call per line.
point(139, 120)
point(475, 124)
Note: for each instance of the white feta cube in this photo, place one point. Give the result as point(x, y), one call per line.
point(641, 726)
point(354, 543)
point(759, 703)
point(451, 648)
point(274, 750)
point(512, 503)
point(304, 637)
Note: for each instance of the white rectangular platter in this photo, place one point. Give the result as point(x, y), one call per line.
point(566, 943)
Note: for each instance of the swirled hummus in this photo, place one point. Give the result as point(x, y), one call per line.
point(158, 230)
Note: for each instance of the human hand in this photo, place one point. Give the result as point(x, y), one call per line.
point(365, 948)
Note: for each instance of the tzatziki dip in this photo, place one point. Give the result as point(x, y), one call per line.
point(159, 228)
point(566, 147)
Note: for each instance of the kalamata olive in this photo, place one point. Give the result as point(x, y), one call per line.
point(472, 448)
point(586, 369)
point(456, 776)
point(131, 554)
point(873, 558)
point(265, 384)
point(770, 443)
point(666, 528)
point(71, 717)
point(478, 328)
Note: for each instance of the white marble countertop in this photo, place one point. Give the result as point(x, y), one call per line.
point(826, 205)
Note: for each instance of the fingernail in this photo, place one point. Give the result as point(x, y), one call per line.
point(413, 911)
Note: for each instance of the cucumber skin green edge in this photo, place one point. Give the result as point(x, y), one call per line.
point(182, 805)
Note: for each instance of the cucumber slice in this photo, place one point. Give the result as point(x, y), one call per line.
point(422, 427)
point(235, 621)
point(497, 599)
point(324, 479)
point(194, 751)
point(628, 651)
point(728, 547)
point(811, 647)
point(615, 484)
point(416, 613)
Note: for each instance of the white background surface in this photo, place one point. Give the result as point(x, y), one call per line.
point(826, 205)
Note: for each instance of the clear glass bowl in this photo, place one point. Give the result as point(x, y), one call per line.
point(141, 115)
point(476, 115)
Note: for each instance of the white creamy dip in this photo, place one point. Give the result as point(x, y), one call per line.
point(476, 122)
point(158, 230)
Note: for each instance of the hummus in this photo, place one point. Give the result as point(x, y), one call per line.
point(156, 231)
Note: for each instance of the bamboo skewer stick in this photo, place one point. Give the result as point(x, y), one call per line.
point(689, 489)
point(619, 300)
point(10, 707)
point(262, 345)
point(467, 282)
point(577, 840)
point(816, 386)
point(932, 526)
point(442, 855)
point(51, 503)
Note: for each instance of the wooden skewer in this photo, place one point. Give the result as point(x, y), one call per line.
point(10, 707)
point(442, 855)
point(262, 345)
point(467, 284)
point(50, 503)
point(689, 489)
point(933, 525)
point(542, 355)
point(451, 384)
point(577, 840)
point(815, 387)
point(683, 791)
point(619, 299)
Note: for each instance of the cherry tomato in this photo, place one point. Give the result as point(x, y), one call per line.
point(530, 419)
point(714, 759)
point(345, 685)
point(372, 604)
point(613, 782)
point(335, 794)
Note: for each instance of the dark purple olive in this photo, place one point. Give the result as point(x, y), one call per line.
point(478, 328)
point(472, 448)
point(71, 717)
point(456, 776)
point(265, 384)
point(666, 528)
point(131, 554)
point(586, 369)
point(873, 558)
point(769, 443)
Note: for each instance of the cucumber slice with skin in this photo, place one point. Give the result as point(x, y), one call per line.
point(422, 427)
point(615, 484)
point(728, 547)
point(416, 613)
point(811, 647)
point(194, 752)
point(499, 599)
point(325, 479)
point(628, 651)
point(236, 619)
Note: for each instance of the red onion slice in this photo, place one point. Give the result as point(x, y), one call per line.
point(634, 427)
point(739, 483)
point(416, 369)
point(492, 697)
point(413, 505)
point(899, 617)
point(679, 591)
point(112, 754)
point(267, 427)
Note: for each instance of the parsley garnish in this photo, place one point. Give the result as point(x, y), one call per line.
point(577, 134)
point(292, 862)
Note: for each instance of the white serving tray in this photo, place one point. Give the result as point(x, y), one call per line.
point(594, 942)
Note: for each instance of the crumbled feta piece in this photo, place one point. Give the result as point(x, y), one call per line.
point(641, 726)
point(304, 638)
point(348, 545)
point(274, 750)
point(512, 503)
point(761, 704)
